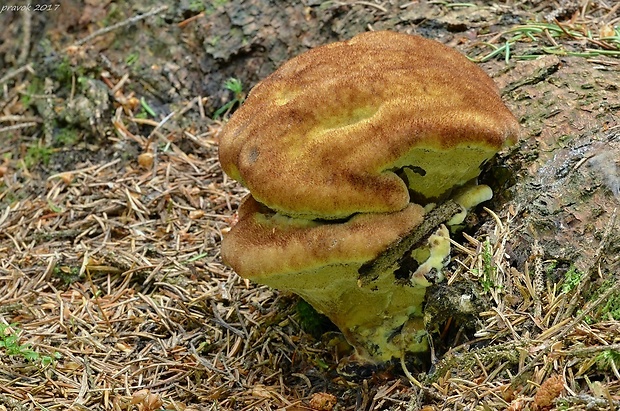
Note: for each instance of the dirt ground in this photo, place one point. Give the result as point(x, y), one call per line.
point(113, 295)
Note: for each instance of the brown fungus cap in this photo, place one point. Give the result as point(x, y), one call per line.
point(264, 245)
point(346, 127)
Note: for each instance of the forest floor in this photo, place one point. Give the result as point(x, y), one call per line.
point(113, 295)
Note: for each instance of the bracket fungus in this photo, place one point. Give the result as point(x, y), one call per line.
point(355, 153)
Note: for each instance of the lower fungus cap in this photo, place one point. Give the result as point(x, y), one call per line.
point(320, 261)
point(355, 126)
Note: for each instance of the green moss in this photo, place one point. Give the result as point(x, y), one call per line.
point(66, 137)
point(608, 360)
point(67, 274)
point(214, 41)
point(114, 15)
point(610, 309)
point(572, 278)
point(311, 321)
point(64, 71)
point(8, 197)
point(210, 8)
point(35, 87)
point(197, 6)
point(38, 154)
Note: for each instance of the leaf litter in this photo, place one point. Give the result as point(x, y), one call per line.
point(110, 271)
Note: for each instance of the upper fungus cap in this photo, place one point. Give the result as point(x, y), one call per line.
point(354, 126)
